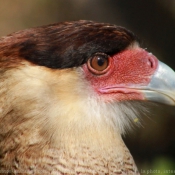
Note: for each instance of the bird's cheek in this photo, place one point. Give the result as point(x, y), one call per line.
point(109, 79)
point(130, 70)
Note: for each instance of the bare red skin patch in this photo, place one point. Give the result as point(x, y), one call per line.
point(127, 69)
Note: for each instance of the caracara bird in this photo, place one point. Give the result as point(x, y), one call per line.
point(68, 91)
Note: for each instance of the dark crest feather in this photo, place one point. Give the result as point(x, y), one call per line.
point(66, 44)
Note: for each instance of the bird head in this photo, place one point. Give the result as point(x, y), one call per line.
point(71, 78)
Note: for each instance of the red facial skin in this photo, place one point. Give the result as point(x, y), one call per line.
point(127, 71)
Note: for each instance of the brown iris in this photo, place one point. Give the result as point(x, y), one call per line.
point(98, 63)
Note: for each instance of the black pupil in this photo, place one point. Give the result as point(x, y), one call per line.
point(100, 61)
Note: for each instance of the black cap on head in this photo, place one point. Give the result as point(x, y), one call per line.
point(68, 44)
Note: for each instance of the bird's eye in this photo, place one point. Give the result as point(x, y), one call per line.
point(98, 63)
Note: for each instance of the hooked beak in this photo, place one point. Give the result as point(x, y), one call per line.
point(161, 88)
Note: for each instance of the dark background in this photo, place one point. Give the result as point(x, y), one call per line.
point(153, 144)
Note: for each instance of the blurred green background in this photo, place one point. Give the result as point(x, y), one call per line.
point(153, 144)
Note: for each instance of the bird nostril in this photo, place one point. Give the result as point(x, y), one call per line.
point(151, 62)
